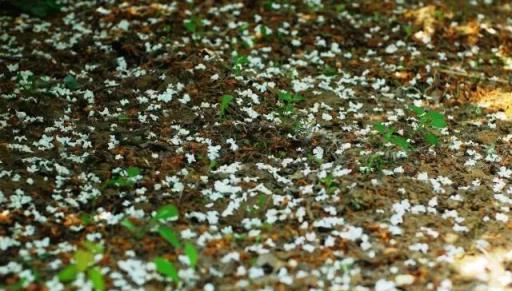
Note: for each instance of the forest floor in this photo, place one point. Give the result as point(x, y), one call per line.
point(227, 145)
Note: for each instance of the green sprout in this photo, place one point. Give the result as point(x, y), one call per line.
point(128, 178)
point(84, 261)
point(289, 100)
point(388, 134)
point(239, 61)
point(429, 121)
point(193, 25)
point(225, 101)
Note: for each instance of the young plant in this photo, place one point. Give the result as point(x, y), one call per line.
point(193, 25)
point(289, 100)
point(239, 61)
point(429, 121)
point(329, 183)
point(84, 262)
point(225, 101)
point(167, 269)
point(389, 135)
point(163, 214)
point(127, 179)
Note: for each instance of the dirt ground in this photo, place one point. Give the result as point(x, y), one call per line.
point(258, 145)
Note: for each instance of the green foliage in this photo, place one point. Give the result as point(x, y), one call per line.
point(84, 262)
point(128, 179)
point(238, 62)
point(166, 268)
point(388, 134)
point(289, 100)
point(39, 8)
point(96, 277)
point(192, 254)
point(83, 259)
point(70, 82)
point(429, 121)
point(329, 71)
point(371, 163)
point(193, 25)
point(225, 101)
point(129, 225)
point(167, 212)
point(164, 213)
point(68, 274)
point(170, 236)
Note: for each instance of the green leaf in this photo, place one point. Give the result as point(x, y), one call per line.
point(417, 110)
point(70, 82)
point(431, 138)
point(297, 98)
point(225, 101)
point(132, 172)
point(129, 225)
point(190, 25)
point(68, 274)
point(192, 254)
point(400, 142)
point(167, 212)
point(241, 60)
point(167, 269)
point(439, 123)
point(285, 96)
point(380, 127)
point(93, 247)
point(96, 278)
point(170, 236)
point(436, 119)
point(83, 259)
point(86, 218)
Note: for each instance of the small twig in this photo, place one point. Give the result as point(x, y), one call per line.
point(468, 75)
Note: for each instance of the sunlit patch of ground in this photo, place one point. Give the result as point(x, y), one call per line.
point(488, 267)
point(498, 100)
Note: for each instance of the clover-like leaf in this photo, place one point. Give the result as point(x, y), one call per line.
point(68, 274)
point(167, 212)
point(96, 278)
point(170, 236)
point(166, 268)
point(192, 254)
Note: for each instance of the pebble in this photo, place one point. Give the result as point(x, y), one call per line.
point(404, 279)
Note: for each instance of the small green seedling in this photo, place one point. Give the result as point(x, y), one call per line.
point(84, 262)
point(163, 214)
point(289, 100)
point(193, 25)
point(167, 268)
point(371, 163)
point(329, 183)
point(239, 61)
point(429, 121)
point(225, 101)
point(192, 254)
point(127, 179)
point(388, 133)
point(158, 221)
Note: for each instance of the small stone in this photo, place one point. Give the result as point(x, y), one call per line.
point(404, 279)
